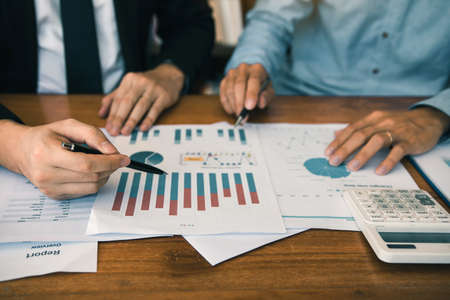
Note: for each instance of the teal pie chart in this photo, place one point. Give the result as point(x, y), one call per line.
point(147, 157)
point(320, 167)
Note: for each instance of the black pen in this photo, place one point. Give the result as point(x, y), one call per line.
point(244, 112)
point(133, 164)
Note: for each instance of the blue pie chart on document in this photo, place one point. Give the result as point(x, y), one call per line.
point(320, 166)
point(147, 157)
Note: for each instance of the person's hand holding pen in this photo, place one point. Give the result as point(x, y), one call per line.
point(244, 87)
point(36, 153)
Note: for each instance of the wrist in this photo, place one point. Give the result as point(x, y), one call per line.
point(11, 151)
point(174, 74)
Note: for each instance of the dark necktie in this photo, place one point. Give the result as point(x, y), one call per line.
point(83, 70)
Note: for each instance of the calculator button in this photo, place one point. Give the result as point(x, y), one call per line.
point(393, 219)
point(410, 219)
point(377, 219)
point(427, 219)
point(424, 199)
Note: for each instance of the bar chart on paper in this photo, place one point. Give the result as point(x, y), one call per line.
point(186, 193)
point(216, 183)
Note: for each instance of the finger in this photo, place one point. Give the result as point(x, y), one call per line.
point(230, 89)
point(156, 109)
point(345, 134)
point(126, 104)
point(83, 133)
point(375, 144)
point(223, 97)
point(106, 104)
point(240, 88)
point(61, 175)
point(139, 110)
point(88, 163)
point(397, 153)
point(120, 92)
point(252, 93)
point(356, 140)
point(266, 97)
point(72, 190)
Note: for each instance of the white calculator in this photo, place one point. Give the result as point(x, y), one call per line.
point(402, 226)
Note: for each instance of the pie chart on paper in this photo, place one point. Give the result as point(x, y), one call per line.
point(147, 157)
point(320, 166)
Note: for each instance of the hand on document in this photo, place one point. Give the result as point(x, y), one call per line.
point(141, 96)
point(242, 87)
point(410, 132)
point(36, 152)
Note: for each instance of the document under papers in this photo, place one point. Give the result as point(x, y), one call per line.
point(19, 260)
point(435, 166)
point(219, 248)
point(217, 183)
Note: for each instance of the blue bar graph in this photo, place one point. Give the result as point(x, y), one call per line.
point(173, 208)
point(133, 195)
point(177, 136)
point(226, 185)
point(199, 132)
point(145, 135)
point(252, 188)
point(135, 185)
point(200, 192)
point(133, 137)
point(156, 132)
point(231, 134)
point(187, 190)
point(188, 134)
point(242, 136)
point(120, 191)
point(220, 132)
point(147, 192)
point(160, 191)
point(213, 190)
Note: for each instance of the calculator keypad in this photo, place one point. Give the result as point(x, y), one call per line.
point(393, 206)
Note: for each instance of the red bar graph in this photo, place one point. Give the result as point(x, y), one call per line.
point(187, 198)
point(214, 200)
point(146, 200)
point(130, 207)
point(239, 188)
point(117, 204)
point(159, 201)
point(118, 201)
point(201, 202)
point(147, 192)
point(187, 190)
point(254, 197)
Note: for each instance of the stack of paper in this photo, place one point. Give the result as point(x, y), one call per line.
point(228, 191)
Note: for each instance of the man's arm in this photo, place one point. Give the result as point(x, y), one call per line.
point(187, 31)
point(260, 52)
point(36, 153)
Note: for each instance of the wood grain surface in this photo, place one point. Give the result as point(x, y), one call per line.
point(314, 264)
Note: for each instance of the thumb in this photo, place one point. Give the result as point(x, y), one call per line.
point(83, 133)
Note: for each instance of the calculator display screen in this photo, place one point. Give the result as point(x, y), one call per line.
point(416, 237)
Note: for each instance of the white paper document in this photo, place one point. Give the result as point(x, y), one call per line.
point(28, 215)
point(219, 248)
point(217, 182)
point(435, 166)
point(19, 260)
point(309, 190)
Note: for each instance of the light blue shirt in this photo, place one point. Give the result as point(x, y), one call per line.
point(351, 47)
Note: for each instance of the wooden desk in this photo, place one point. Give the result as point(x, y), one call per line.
point(314, 264)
